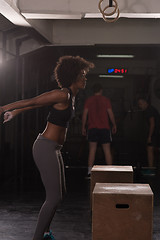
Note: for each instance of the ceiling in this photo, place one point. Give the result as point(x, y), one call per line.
point(80, 23)
point(45, 16)
point(73, 9)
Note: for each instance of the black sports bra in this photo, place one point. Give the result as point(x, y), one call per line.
point(62, 117)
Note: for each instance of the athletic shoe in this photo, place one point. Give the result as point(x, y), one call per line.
point(48, 236)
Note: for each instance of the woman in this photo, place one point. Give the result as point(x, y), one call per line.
point(70, 74)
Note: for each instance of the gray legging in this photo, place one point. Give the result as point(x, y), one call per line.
point(48, 159)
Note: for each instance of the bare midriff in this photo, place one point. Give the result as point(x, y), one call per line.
point(55, 133)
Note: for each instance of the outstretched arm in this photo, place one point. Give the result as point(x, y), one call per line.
point(111, 116)
point(48, 98)
point(11, 114)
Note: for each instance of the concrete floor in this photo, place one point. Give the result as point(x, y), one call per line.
point(18, 213)
point(18, 219)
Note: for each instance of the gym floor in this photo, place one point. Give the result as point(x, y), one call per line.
point(18, 212)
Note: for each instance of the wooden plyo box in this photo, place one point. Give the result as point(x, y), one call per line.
point(111, 174)
point(122, 212)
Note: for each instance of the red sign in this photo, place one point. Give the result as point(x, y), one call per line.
point(117, 70)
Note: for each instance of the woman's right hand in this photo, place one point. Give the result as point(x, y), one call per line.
point(8, 116)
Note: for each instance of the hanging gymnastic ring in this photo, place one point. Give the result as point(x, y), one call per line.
point(111, 20)
point(108, 14)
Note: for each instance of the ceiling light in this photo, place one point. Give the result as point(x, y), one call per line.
point(114, 56)
point(51, 16)
point(110, 76)
point(125, 15)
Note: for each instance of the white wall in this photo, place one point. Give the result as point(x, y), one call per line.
point(73, 6)
point(96, 31)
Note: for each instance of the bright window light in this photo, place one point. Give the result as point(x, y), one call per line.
point(110, 76)
point(12, 14)
point(114, 56)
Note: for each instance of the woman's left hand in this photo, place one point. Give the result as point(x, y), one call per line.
point(8, 116)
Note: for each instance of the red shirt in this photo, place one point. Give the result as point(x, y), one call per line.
point(97, 106)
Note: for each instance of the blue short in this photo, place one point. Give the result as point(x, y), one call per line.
point(101, 135)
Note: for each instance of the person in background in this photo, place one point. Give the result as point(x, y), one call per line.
point(96, 115)
point(70, 74)
point(153, 121)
